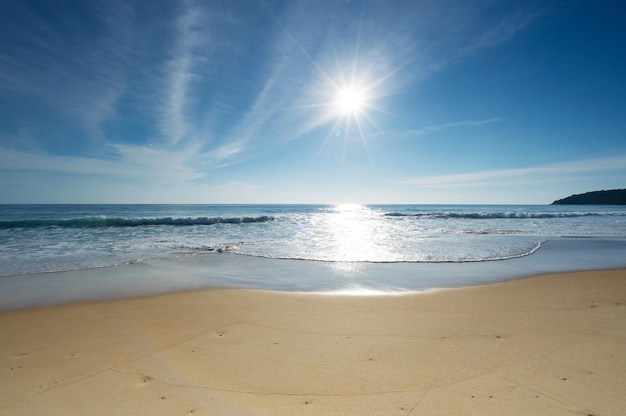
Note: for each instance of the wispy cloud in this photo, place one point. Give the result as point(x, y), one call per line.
point(210, 84)
point(503, 30)
point(133, 163)
point(529, 174)
point(427, 38)
point(222, 155)
point(179, 74)
point(252, 123)
point(79, 76)
point(301, 69)
point(446, 34)
point(439, 127)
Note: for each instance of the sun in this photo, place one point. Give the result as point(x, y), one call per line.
point(350, 100)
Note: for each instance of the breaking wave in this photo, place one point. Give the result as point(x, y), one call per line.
point(502, 215)
point(104, 222)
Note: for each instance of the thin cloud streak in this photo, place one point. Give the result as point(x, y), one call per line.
point(440, 127)
point(503, 176)
point(132, 163)
point(81, 77)
point(506, 29)
point(251, 124)
point(174, 125)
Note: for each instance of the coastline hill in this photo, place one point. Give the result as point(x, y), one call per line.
point(612, 197)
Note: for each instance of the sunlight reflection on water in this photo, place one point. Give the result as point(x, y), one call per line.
point(351, 229)
point(349, 233)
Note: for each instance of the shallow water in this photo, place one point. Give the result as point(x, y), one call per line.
point(230, 270)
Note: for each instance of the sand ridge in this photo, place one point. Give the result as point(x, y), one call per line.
point(551, 344)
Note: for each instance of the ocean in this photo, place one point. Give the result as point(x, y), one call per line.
point(325, 248)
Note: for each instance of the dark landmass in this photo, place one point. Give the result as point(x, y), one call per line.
point(612, 197)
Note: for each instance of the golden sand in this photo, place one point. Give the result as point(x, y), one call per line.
point(548, 345)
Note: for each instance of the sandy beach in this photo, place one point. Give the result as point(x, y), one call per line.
point(546, 345)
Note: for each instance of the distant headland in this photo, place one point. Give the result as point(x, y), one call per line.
point(612, 197)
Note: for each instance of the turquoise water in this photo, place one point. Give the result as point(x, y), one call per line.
point(52, 253)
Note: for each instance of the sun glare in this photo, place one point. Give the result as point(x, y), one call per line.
point(345, 96)
point(350, 100)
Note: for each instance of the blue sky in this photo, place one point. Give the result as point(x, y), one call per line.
point(239, 101)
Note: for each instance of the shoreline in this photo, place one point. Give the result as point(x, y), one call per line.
point(549, 344)
point(229, 270)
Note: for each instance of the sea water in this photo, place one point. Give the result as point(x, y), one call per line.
point(303, 247)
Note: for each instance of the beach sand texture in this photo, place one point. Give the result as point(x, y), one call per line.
point(548, 345)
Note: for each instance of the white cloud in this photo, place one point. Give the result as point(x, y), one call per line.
point(510, 176)
point(133, 163)
point(502, 31)
point(221, 154)
point(179, 73)
point(79, 77)
point(439, 127)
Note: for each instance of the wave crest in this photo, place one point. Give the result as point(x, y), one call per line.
point(499, 215)
point(103, 222)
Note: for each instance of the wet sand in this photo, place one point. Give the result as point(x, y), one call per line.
point(547, 345)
